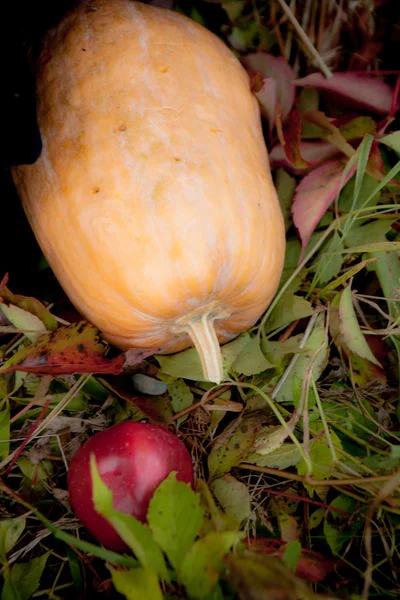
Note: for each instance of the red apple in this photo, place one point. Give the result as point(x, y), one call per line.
point(132, 459)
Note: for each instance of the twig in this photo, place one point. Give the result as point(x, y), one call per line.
point(307, 501)
point(206, 398)
point(316, 482)
point(29, 435)
point(388, 488)
point(305, 39)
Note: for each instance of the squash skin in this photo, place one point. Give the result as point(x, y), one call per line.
point(152, 197)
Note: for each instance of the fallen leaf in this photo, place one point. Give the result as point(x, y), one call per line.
point(324, 128)
point(312, 566)
point(187, 365)
point(233, 445)
point(31, 305)
point(351, 334)
point(392, 140)
point(313, 357)
point(290, 138)
point(291, 308)
point(285, 186)
point(277, 68)
point(364, 371)
point(314, 194)
point(287, 455)
point(356, 128)
point(359, 90)
point(272, 437)
point(234, 497)
point(251, 359)
point(134, 356)
point(313, 153)
point(320, 456)
point(265, 90)
point(339, 528)
point(26, 322)
point(75, 348)
point(202, 566)
point(255, 576)
point(157, 409)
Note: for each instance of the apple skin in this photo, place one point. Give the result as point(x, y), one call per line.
point(132, 459)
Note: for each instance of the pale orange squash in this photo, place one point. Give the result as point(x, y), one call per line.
point(153, 199)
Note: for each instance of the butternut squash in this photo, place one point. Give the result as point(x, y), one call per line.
point(152, 198)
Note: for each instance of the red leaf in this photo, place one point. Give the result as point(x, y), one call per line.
point(312, 565)
point(157, 408)
point(277, 68)
point(290, 138)
point(76, 348)
point(358, 90)
point(313, 196)
point(312, 152)
point(376, 161)
point(134, 356)
point(329, 131)
point(27, 303)
point(266, 94)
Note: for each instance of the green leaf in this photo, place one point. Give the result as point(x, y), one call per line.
point(288, 455)
point(259, 577)
point(175, 518)
point(316, 518)
point(354, 419)
point(320, 455)
point(289, 309)
point(31, 325)
point(276, 351)
point(233, 445)
point(292, 555)
point(74, 564)
point(357, 128)
point(314, 355)
point(374, 247)
point(137, 584)
point(202, 565)
point(368, 186)
point(234, 9)
point(392, 140)
point(339, 528)
point(38, 472)
point(329, 263)
point(4, 432)
point(346, 276)
point(234, 497)
point(308, 99)
point(387, 269)
point(231, 351)
point(25, 578)
point(285, 187)
point(251, 359)
point(369, 234)
point(10, 532)
point(271, 438)
point(3, 387)
point(181, 396)
point(135, 534)
point(350, 330)
point(29, 304)
point(187, 364)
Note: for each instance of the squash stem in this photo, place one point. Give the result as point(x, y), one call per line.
point(201, 331)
